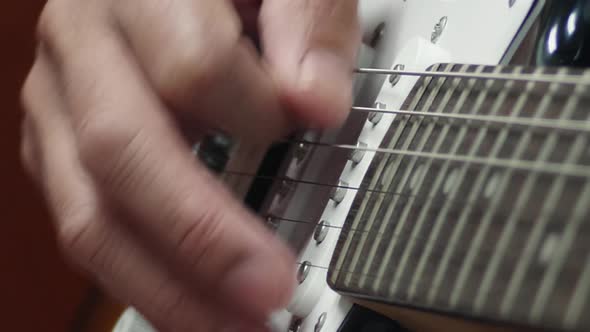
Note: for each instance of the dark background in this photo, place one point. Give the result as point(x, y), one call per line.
point(39, 292)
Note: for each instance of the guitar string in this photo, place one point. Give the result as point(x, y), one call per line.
point(568, 125)
point(542, 78)
point(564, 125)
point(523, 165)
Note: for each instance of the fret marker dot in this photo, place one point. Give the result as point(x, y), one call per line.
point(450, 182)
point(492, 185)
point(548, 248)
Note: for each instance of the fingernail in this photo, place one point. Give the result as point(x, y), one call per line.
point(258, 287)
point(328, 77)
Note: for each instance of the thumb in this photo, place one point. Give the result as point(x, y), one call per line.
point(311, 46)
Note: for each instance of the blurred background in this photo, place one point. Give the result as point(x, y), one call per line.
point(39, 291)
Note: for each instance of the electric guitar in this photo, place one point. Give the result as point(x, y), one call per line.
point(457, 196)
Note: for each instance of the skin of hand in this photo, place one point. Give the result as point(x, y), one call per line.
point(112, 88)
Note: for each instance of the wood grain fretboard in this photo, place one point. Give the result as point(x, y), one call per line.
point(486, 219)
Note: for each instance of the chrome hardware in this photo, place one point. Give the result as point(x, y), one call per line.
point(303, 271)
point(492, 185)
point(295, 325)
point(301, 152)
point(439, 28)
point(375, 117)
point(377, 35)
point(272, 223)
point(339, 193)
point(287, 186)
point(321, 231)
point(393, 78)
point(320, 323)
point(357, 155)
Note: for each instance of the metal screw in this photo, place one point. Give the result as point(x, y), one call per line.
point(295, 325)
point(320, 323)
point(286, 187)
point(375, 117)
point(511, 3)
point(272, 223)
point(303, 271)
point(339, 193)
point(377, 35)
point(301, 152)
point(439, 28)
point(321, 231)
point(394, 79)
point(357, 155)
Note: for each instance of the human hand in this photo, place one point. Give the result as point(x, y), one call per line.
point(108, 100)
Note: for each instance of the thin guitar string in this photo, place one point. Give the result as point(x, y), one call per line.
point(554, 124)
point(523, 165)
point(327, 268)
point(337, 186)
point(540, 78)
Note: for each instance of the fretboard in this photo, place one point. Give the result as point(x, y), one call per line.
point(483, 211)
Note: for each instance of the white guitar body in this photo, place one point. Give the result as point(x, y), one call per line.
point(472, 31)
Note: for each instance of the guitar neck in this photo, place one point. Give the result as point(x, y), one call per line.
point(477, 202)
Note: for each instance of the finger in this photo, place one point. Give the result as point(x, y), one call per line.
point(311, 45)
point(127, 141)
point(92, 238)
point(195, 55)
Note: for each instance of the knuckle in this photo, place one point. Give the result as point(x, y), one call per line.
point(110, 149)
point(202, 234)
point(199, 66)
point(77, 236)
point(52, 20)
point(101, 135)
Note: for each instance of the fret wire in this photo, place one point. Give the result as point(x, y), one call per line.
point(389, 173)
point(567, 125)
point(338, 271)
point(547, 285)
point(379, 173)
point(523, 165)
point(531, 178)
point(463, 202)
point(438, 224)
point(586, 274)
point(435, 188)
point(508, 229)
point(534, 239)
point(373, 184)
point(566, 241)
point(545, 78)
point(416, 130)
point(580, 298)
point(484, 225)
point(540, 224)
point(314, 224)
point(401, 223)
point(457, 228)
